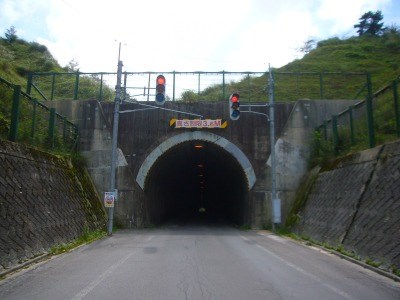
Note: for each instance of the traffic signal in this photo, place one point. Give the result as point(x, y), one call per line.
point(160, 90)
point(234, 106)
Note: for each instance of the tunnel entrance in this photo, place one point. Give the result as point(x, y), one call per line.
point(196, 181)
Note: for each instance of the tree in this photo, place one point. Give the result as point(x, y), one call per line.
point(11, 35)
point(73, 65)
point(370, 24)
point(307, 46)
point(188, 96)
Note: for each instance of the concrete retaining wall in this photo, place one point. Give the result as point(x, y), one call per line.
point(95, 146)
point(357, 205)
point(43, 202)
point(292, 149)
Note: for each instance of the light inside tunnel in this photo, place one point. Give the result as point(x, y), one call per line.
point(191, 184)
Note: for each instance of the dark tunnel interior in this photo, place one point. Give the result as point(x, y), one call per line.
point(196, 181)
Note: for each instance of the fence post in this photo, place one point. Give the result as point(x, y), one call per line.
point(33, 128)
point(15, 113)
point(52, 123)
point(223, 85)
point(370, 113)
point(124, 87)
point(396, 106)
point(53, 81)
point(64, 130)
point(29, 84)
point(76, 90)
point(101, 88)
point(148, 88)
point(198, 84)
point(351, 120)
point(76, 136)
point(335, 134)
point(173, 85)
point(321, 85)
point(325, 126)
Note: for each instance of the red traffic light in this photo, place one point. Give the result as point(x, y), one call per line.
point(234, 105)
point(235, 98)
point(160, 79)
point(160, 90)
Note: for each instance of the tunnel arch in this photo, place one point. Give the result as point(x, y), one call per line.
point(225, 144)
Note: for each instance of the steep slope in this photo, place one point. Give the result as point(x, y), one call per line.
point(378, 55)
point(20, 57)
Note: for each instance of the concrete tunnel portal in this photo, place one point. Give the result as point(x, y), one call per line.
point(196, 176)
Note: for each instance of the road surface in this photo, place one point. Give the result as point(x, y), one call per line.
point(197, 262)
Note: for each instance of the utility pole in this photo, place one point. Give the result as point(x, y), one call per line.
point(117, 102)
point(276, 203)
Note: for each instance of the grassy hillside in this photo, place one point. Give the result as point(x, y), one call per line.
point(377, 55)
point(19, 58)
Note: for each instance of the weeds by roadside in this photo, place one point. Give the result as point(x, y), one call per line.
point(86, 237)
point(338, 249)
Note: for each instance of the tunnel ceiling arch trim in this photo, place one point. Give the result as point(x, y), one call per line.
point(192, 136)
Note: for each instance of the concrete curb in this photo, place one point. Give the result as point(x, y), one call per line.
point(341, 255)
point(362, 264)
point(24, 264)
point(43, 257)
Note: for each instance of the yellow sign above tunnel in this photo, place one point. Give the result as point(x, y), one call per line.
point(197, 123)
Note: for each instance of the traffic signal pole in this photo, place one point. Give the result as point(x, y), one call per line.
point(276, 203)
point(117, 101)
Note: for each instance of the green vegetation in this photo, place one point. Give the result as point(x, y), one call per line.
point(339, 249)
point(85, 238)
point(18, 58)
point(244, 227)
point(370, 24)
point(300, 201)
point(372, 263)
point(330, 69)
point(350, 59)
point(395, 270)
point(376, 54)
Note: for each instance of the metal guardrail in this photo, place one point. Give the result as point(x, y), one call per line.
point(195, 85)
point(34, 123)
point(378, 114)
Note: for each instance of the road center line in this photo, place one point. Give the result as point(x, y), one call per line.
point(85, 291)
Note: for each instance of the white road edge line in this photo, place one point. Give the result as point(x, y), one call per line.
point(341, 293)
point(85, 291)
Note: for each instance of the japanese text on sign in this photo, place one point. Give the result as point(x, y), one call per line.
point(218, 123)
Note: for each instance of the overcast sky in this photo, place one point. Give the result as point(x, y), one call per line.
point(207, 35)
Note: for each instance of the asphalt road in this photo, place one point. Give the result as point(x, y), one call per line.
point(197, 262)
